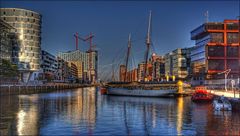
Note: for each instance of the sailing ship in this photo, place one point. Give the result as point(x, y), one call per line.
point(141, 88)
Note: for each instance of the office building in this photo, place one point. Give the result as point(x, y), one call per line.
point(73, 72)
point(216, 50)
point(140, 72)
point(158, 67)
point(62, 70)
point(79, 65)
point(49, 65)
point(122, 73)
point(177, 63)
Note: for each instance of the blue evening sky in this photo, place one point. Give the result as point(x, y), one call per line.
point(112, 21)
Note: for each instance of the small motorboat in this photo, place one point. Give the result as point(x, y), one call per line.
point(103, 90)
point(222, 104)
point(202, 96)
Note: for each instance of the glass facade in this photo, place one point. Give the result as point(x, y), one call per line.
point(27, 26)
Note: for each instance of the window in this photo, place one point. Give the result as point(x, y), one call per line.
point(232, 26)
point(232, 37)
point(215, 51)
point(232, 64)
point(232, 51)
point(215, 26)
point(216, 37)
point(214, 64)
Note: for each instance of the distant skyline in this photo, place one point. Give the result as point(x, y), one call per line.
point(111, 22)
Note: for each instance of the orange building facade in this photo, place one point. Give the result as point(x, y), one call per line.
point(216, 49)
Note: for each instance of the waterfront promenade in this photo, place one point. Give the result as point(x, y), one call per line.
point(229, 94)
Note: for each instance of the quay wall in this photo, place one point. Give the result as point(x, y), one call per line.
point(19, 89)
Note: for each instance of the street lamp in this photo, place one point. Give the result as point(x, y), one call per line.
point(226, 72)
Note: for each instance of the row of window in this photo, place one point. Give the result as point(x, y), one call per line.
point(218, 37)
point(21, 19)
point(214, 64)
point(215, 26)
point(218, 51)
point(18, 12)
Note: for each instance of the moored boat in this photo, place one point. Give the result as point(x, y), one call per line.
point(141, 92)
point(103, 90)
point(202, 96)
point(222, 104)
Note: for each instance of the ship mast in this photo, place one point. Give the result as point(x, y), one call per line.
point(128, 53)
point(148, 43)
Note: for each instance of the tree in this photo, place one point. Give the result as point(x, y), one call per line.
point(8, 70)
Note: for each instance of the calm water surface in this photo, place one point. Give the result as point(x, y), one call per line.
point(86, 112)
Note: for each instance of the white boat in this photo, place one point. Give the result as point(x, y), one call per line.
point(222, 104)
point(140, 92)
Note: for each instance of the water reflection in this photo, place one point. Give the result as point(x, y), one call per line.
point(86, 112)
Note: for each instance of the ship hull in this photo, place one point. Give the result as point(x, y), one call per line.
point(140, 92)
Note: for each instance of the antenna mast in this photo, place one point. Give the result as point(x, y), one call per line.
point(206, 16)
point(148, 43)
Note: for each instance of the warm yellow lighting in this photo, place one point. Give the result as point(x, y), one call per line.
point(21, 116)
point(173, 78)
point(180, 86)
point(179, 115)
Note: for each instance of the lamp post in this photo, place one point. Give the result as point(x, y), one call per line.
point(226, 72)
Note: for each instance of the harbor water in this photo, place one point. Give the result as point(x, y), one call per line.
point(85, 111)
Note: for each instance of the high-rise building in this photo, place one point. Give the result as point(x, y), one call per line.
point(27, 26)
point(158, 72)
point(89, 69)
point(132, 75)
point(177, 63)
point(79, 65)
point(62, 70)
point(122, 73)
point(73, 73)
point(216, 50)
point(141, 67)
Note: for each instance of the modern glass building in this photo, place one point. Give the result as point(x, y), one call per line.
point(89, 68)
point(216, 50)
point(27, 26)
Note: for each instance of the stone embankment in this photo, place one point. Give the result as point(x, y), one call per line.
point(32, 89)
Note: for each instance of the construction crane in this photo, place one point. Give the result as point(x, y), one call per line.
point(76, 39)
point(88, 38)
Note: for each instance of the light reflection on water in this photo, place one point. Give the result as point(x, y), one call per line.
point(86, 112)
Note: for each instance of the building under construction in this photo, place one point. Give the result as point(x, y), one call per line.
point(216, 50)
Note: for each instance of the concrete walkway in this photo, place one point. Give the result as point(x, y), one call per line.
point(229, 94)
